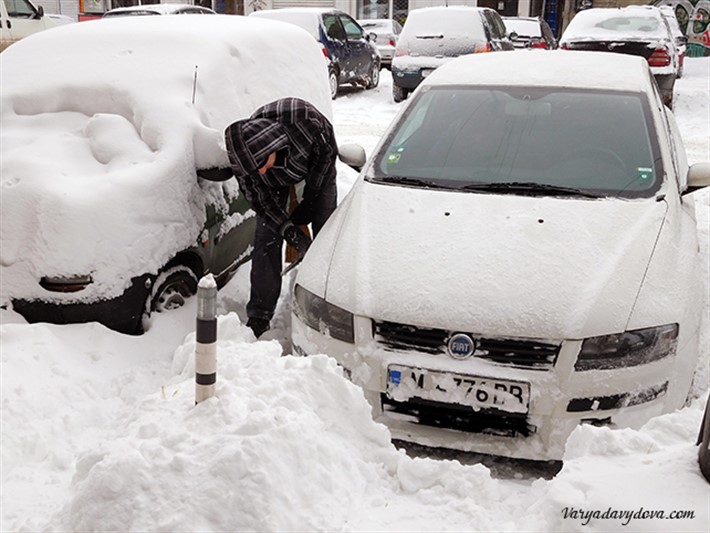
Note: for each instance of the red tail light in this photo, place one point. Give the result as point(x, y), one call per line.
point(659, 58)
point(401, 51)
point(325, 53)
point(392, 43)
point(538, 44)
point(564, 46)
point(480, 47)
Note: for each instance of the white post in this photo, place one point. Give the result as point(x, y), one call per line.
point(206, 337)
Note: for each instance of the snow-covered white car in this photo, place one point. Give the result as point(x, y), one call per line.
point(519, 256)
point(106, 126)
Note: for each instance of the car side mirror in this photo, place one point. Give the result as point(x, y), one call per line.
point(215, 173)
point(698, 177)
point(352, 155)
point(40, 12)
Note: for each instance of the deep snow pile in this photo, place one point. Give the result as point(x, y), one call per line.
point(100, 431)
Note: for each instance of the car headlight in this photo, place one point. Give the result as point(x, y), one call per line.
point(327, 318)
point(630, 348)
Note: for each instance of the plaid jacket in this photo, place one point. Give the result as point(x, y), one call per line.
point(308, 141)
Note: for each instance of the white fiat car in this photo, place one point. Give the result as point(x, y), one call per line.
point(519, 256)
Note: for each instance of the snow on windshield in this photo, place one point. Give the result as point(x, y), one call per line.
point(448, 31)
point(599, 24)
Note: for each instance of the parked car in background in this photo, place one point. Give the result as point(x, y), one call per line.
point(109, 211)
point(19, 19)
point(387, 32)
point(538, 203)
point(530, 32)
point(634, 30)
point(159, 9)
point(351, 52)
point(432, 36)
point(681, 40)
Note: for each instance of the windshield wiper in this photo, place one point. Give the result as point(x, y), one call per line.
point(417, 182)
point(531, 188)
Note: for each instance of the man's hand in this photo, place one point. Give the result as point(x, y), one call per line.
point(303, 214)
point(296, 238)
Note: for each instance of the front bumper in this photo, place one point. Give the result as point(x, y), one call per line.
point(409, 79)
point(123, 313)
point(560, 398)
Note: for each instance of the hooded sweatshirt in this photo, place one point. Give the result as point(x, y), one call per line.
point(305, 142)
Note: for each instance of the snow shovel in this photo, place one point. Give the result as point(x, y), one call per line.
point(291, 253)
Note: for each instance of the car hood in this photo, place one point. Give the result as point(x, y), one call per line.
point(501, 265)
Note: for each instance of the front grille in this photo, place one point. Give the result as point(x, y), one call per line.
point(460, 417)
point(531, 354)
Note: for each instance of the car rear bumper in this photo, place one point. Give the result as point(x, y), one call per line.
point(560, 398)
point(123, 313)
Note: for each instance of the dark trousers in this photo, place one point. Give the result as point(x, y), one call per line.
point(267, 256)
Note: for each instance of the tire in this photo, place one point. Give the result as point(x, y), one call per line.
point(172, 288)
point(399, 94)
point(333, 83)
point(373, 79)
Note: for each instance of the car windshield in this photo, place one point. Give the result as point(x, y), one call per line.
point(602, 23)
point(549, 141)
point(446, 32)
point(524, 28)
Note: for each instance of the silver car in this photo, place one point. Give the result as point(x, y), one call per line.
point(387, 32)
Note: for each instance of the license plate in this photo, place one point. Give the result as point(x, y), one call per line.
point(405, 382)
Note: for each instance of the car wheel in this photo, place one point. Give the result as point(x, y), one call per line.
point(374, 79)
point(333, 82)
point(399, 94)
point(172, 288)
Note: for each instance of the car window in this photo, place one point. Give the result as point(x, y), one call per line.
point(447, 32)
point(523, 27)
point(590, 140)
point(353, 31)
point(496, 24)
point(19, 9)
point(607, 23)
point(333, 27)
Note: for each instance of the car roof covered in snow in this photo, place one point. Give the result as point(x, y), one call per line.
point(545, 68)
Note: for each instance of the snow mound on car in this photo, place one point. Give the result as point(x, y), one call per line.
point(103, 125)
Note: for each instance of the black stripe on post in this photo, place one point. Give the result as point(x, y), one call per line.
point(206, 331)
point(206, 379)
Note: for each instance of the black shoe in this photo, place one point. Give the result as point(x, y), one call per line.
point(258, 326)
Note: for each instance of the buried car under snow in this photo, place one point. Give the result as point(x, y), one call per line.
point(104, 125)
point(490, 288)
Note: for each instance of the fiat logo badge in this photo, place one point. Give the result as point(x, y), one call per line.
point(461, 346)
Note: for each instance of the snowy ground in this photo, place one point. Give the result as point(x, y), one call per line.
point(100, 431)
